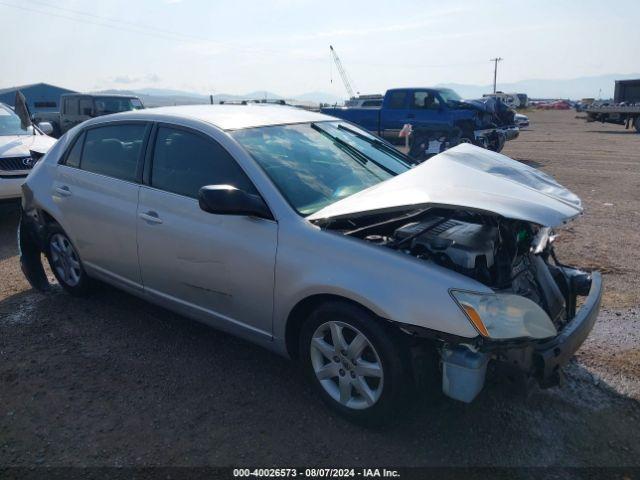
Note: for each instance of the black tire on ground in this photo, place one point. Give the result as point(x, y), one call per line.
point(397, 382)
point(84, 283)
point(636, 122)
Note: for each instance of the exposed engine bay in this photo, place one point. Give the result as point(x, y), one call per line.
point(508, 256)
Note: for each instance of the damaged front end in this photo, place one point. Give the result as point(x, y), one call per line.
point(529, 323)
point(494, 122)
point(32, 232)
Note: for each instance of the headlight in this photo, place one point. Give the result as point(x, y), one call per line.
point(504, 315)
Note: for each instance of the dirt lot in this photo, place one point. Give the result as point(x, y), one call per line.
point(111, 380)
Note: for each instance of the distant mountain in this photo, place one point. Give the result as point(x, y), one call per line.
point(598, 86)
point(260, 94)
point(319, 97)
point(159, 97)
point(166, 92)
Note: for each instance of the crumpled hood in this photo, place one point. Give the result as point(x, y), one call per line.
point(480, 104)
point(470, 177)
point(19, 145)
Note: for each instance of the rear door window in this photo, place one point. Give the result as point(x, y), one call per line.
point(183, 162)
point(114, 150)
point(73, 157)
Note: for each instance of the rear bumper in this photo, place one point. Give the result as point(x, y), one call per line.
point(552, 355)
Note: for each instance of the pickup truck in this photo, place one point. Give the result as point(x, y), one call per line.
point(78, 107)
point(485, 122)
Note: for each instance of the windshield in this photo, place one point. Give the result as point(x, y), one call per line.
point(106, 105)
point(449, 95)
point(10, 124)
point(316, 164)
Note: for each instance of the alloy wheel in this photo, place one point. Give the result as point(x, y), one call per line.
point(64, 260)
point(347, 365)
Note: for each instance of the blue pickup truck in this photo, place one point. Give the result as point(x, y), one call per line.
point(439, 112)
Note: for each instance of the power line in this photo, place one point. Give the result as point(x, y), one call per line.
point(90, 22)
point(117, 20)
point(122, 25)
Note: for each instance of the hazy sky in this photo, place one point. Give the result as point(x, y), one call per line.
point(282, 46)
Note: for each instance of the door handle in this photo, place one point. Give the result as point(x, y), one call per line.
point(63, 191)
point(150, 217)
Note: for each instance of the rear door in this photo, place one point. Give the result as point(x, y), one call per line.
point(219, 268)
point(97, 186)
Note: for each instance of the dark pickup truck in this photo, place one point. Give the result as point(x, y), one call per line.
point(485, 122)
point(78, 107)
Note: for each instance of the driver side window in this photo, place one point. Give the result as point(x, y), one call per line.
point(425, 100)
point(183, 162)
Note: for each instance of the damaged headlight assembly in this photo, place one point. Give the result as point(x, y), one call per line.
point(496, 316)
point(502, 316)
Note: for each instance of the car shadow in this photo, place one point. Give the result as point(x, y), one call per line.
point(113, 374)
point(614, 132)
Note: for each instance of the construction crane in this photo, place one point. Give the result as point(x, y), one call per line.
point(343, 73)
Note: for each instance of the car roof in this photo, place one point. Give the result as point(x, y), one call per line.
point(227, 117)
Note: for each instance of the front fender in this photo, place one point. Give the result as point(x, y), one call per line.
point(393, 285)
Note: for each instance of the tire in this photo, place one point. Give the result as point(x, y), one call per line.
point(636, 122)
point(65, 262)
point(381, 364)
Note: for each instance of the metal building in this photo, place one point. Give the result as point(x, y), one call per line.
point(41, 97)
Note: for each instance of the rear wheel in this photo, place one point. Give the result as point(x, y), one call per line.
point(354, 363)
point(65, 262)
point(636, 122)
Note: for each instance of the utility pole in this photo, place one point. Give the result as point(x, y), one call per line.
point(495, 71)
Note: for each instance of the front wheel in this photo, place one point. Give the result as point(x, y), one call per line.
point(355, 364)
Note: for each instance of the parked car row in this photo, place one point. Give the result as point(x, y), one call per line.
point(314, 238)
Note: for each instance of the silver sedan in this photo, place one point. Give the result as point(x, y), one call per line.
point(311, 237)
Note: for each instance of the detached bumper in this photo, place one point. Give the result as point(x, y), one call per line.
point(552, 355)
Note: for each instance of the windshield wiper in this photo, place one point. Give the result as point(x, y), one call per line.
point(379, 145)
point(351, 150)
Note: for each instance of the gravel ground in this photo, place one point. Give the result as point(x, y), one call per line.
point(111, 380)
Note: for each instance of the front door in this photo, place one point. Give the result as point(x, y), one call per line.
point(219, 268)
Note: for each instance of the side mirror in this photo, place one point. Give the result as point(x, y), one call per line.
point(46, 128)
point(228, 200)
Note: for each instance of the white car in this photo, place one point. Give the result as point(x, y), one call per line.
point(16, 147)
